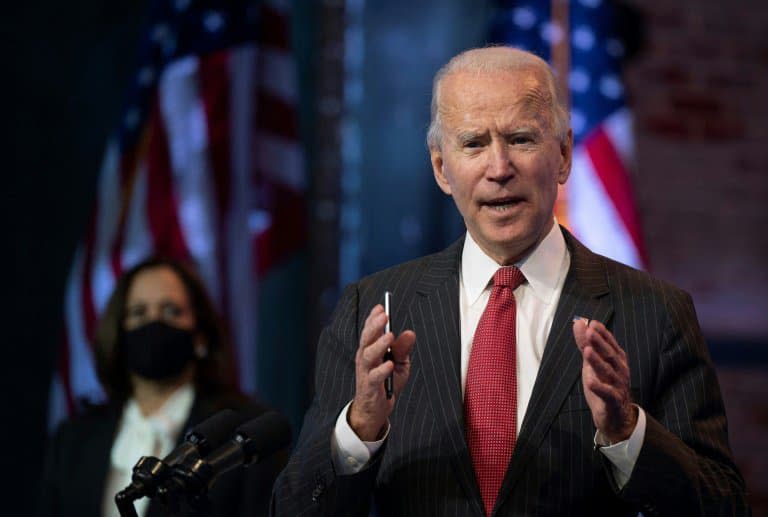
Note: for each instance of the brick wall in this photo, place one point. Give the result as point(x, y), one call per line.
point(744, 390)
point(699, 91)
point(700, 96)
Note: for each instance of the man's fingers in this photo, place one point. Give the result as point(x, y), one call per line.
point(606, 351)
point(579, 332)
point(593, 384)
point(593, 333)
point(377, 375)
point(375, 311)
point(584, 330)
point(592, 337)
point(604, 371)
point(607, 335)
point(403, 345)
point(373, 354)
point(610, 396)
point(374, 326)
point(587, 336)
point(372, 369)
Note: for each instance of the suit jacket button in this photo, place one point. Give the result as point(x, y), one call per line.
point(317, 492)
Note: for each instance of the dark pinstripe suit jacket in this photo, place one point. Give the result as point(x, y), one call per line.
point(685, 465)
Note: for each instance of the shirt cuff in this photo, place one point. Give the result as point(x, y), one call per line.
point(623, 455)
point(350, 453)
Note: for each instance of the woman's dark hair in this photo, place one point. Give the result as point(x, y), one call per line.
point(213, 375)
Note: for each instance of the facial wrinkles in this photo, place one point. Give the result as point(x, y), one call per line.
point(535, 105)
point(466, 114)
point(523, 120)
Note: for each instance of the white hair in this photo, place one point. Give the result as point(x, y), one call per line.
point(491, 60)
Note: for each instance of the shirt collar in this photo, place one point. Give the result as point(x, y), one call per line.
point(141, 436)
point(173, 414)
point(541, 267)
point(170, 417)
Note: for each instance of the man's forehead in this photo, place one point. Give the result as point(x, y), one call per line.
point(521, 95)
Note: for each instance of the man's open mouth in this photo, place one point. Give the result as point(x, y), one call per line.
point(503, 203)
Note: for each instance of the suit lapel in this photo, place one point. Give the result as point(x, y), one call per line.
point(585, 293)
point(435, 317)
point(93, 467)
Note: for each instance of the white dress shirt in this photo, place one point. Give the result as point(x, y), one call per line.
point(139, 435)
point(545, 269)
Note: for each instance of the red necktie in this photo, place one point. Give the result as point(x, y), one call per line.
point(490, 397)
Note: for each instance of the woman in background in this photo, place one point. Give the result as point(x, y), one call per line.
point(164, 361)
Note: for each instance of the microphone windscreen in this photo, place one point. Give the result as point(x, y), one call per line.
point(265, 434)
point(214, 431)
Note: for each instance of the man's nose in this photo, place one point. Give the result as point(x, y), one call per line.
point(500, 167)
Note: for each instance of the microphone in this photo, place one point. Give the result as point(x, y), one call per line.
point(251, 443)
point(149, 472)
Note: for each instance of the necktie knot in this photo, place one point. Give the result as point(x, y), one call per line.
point(508, 276)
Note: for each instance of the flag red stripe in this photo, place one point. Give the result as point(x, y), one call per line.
point(215, 87)
point(286, 233)
point(162, 205)
point(86, 281)
point(615, 179)
point(128, 175)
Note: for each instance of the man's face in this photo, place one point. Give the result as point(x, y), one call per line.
point(499, 158)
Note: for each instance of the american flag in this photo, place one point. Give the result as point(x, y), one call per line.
point(581, 41)
point(202, 166)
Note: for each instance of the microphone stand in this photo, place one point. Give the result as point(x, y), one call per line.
point(124, 501)
point(174, 496)
point(146, 472)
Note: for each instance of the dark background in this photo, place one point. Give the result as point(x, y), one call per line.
point(65, 67)
point(697, 89)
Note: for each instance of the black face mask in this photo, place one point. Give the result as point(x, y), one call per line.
point(157, 350)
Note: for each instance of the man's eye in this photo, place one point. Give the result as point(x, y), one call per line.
point(521, 139)
point(472, 144)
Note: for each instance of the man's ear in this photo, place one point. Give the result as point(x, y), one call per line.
point(566, 158)
point(438, 169)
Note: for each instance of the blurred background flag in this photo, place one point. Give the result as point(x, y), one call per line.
point(205, 165)
point(583, 42)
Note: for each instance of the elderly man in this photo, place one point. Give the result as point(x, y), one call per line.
point(531, 376)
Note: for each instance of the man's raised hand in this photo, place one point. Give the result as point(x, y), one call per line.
point(605, 377)
point(370, 409)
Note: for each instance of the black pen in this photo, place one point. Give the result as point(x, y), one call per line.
point(389, 382)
